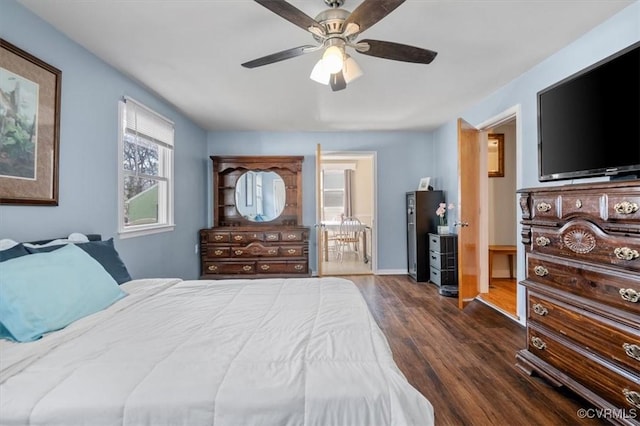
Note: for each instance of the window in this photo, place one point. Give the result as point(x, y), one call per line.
point(332, 194)
point(145, 171)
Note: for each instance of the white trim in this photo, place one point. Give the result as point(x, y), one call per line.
point(392, 272)
point(138, 231)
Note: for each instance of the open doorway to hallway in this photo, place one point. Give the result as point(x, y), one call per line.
point(501, 292)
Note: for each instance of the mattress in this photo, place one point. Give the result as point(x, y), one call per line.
point(229, 352)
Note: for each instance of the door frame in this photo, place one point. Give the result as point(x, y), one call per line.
point(352, 155)
point(512, 113)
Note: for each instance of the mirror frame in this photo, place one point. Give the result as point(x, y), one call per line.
point(499, 137)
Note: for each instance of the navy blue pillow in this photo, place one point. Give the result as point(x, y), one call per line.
point(102, 251)
point(15, 251)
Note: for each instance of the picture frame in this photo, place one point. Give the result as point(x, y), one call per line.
point(424, 184)
point(29, 128)
point(495, 154)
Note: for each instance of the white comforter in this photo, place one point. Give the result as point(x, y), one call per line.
point(251, 352)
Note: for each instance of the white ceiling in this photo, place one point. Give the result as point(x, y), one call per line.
point(189, 52)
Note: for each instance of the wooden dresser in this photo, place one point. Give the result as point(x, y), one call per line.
point(582, 246)
point(257, 215)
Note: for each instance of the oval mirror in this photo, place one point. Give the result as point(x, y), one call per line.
point(260, 196)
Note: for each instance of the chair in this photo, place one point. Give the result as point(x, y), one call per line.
point(348, 238)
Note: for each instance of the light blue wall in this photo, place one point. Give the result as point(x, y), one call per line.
point(620, 31)
point(88, 157)
point(402, 159)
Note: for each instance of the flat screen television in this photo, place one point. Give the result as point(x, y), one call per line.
point(589, 123)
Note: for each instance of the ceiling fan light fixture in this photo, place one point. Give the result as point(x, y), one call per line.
point(351, 70)
point(319, 74)
point(333, 59)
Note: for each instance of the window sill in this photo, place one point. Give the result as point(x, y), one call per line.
point(139, 232)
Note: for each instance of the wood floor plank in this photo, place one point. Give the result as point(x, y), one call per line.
point(463, 361)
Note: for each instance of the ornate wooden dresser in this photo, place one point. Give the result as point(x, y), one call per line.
point(582, 246)
point(257, 211)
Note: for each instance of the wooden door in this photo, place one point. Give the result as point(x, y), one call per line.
point(469, 139)
point(319, 229)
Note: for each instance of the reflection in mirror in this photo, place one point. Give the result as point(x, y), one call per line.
point(260, 196)
point(495, 160)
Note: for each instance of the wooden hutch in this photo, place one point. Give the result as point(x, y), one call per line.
point(257, 216)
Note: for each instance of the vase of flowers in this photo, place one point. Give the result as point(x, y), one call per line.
point(443, 228)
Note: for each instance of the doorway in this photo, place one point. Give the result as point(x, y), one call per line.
point(499, 179)
point(346, 213)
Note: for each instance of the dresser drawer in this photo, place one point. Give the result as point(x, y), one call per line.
point(254, 250)
point(246, 237)
point(443, 243)
point(215, 237)
point(582, 240)
point(443, 277)
point(442, 260)
point(613, 288)
point(228, 268)
point(277, 267)
point(545, 206)
point(292, 235)
point(216, 252)
point(614, 342)
point(618, 387)
point(292, 251)
point(583, 205)
point(624, 207)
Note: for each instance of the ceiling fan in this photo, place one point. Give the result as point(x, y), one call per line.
point(334, 30)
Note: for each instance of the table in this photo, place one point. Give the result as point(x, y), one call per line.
point(510, 251)
point(334, 226)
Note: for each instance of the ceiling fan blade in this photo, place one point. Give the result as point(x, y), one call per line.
point(279, 56)
point(291, 14)
point(371, 11)
point(398, 52)
point(338, 82)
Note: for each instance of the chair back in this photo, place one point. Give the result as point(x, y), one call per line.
point(350, 229)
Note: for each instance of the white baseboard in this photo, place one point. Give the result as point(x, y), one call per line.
point(392, 272)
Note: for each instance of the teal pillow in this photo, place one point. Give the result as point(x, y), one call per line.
point(44, 292)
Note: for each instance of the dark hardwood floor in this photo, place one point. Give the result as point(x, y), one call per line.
point(463, 361)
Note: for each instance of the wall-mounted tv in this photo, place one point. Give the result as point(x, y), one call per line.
point(589, 123)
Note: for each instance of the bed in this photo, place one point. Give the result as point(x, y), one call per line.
point(296, 351)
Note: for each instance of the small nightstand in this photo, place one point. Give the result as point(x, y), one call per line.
point(443, 259)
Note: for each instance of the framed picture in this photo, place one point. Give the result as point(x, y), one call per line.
point(29, 128)
point(495, 149)
point(424, 184)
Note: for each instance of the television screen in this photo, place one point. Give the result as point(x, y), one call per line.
point(589, 123)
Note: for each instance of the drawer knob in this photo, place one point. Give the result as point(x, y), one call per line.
point(578, 204)
point(272, 237)
point(633, 351)
point(625, 253)
point(632, 397)
point(543, 207)
point(630, 295)
point(264, 267)
point(540, 271)
point(218, 252)
point(538, 343)
point(218, 237)
point(291, 236)
point(238, 238)
point(626, 207)
point(291, 251)
point(246, 268)
point(540, 310)
point(298, 267)
point(238, 252)
point(213, 268)
point(543, 241)
point(272, 251)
